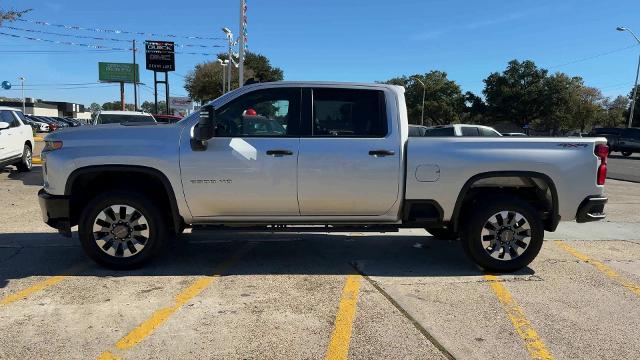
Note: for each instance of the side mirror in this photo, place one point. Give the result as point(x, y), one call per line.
point(4, 125)
point(205, 128)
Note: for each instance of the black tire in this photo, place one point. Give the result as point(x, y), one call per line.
point(155, 229)
point(26, 161)
point(442, 233)
point(626, 153)
point(481, 213)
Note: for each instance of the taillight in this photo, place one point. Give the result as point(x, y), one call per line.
point(602, 152)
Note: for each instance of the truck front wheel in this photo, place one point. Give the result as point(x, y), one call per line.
point(503, 234)
point(121, 230)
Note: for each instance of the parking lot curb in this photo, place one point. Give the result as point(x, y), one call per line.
point(38, 139)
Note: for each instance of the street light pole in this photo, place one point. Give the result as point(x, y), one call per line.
point(223, 64)
point(424, 94)
point(23, 100)
point(635, 86)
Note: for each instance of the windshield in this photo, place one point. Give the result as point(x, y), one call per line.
point(123, 118)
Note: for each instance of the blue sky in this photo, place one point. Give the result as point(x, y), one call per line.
point(357, 40)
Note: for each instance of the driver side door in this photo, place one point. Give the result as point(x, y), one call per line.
point(250, 167)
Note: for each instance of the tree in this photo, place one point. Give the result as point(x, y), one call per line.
point(615, 112)
point(204, 82)
point(150, 107)
point(94, 108)
point(516, 94)
point(587, 107)
point(475, 109)
point(558, 97)
point(11, 15)
point(117, 105)
point(444, 101)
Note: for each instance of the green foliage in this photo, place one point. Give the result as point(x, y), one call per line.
point(11, 15)
point(116, 105)
point(444, 102)
point(204, 82)
point(150, 107)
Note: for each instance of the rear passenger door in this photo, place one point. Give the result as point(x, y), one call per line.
point(349, 161)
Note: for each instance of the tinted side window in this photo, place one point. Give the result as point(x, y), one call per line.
point(445, 131)
point(262, 113)
point(7, 116)
point(469, 131)
point(488, 132)
point(349, 113)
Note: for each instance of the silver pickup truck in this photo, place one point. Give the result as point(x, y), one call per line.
point(314, 157)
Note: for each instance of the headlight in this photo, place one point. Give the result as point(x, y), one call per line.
point(52, 145)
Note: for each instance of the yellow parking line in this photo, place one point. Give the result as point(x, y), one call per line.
point(534, 344)
point(41, 285)
point(159, 317)
point(607, 270)
point(341, 337)
point(38, 138)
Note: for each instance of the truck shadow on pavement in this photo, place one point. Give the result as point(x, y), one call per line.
point(32, 178)
point(24, 255)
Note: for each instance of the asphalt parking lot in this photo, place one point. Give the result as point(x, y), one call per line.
point(289, 296)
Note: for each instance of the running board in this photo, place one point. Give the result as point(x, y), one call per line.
point(299, 229)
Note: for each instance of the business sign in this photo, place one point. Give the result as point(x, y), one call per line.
point(180, 103)
point(160, 55)
point(117, 72)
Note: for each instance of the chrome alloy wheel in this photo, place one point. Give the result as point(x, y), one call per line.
point(28, 158)
point(506, 235)
point(120, 231)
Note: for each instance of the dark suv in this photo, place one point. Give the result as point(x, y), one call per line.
point(626, 141)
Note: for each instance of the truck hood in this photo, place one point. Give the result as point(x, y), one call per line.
point(116, 134)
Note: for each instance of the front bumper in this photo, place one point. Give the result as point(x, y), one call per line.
point(55, 211)
point(591, 209)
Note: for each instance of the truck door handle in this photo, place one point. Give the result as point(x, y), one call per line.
point(278, 153)
point(381, 153)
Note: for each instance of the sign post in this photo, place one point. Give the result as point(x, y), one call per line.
point(160, 57)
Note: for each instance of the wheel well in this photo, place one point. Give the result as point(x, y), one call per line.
point(84, 185)
point(536, 189)
point(29, 144)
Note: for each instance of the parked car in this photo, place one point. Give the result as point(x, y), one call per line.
point(16, 139)
point(340, 158)
point(461, 130)
point(626, 141)
point(123, 117)
point(514, 134)
point(69, 122)
point(42, 126)
point(167, 119)
point(417, 130)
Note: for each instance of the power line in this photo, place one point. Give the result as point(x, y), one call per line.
point(93, 46)
point(593, 56)
point(135, 33)
point(103, 38)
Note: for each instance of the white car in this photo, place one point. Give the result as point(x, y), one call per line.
point(123, 117)
point(461, 130)
point(16, 139)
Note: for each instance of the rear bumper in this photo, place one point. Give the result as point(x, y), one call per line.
point(55, 211)
point(591, 209)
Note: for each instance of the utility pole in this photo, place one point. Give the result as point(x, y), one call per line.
point(23, 99)
point(135, 82)
point(635, 86)
point(635, 95)
point(242, 41)
point(232, 43)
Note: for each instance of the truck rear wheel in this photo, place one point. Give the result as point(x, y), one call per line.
point(121, 230)
point(502, 235)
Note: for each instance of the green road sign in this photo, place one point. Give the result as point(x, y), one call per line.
point(117, 72)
